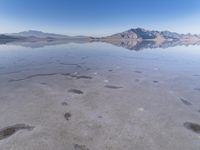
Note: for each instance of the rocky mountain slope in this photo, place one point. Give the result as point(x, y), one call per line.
point(142, 34)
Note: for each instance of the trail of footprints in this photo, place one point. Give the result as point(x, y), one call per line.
point(67, 117)
point(190, 125)
point(9, 131)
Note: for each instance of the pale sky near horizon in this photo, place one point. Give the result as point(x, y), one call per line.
point(99, 17)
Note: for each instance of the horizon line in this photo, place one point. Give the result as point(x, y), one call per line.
point(49, 32)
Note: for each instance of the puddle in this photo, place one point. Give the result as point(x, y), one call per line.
point(192, 126)
point(76, 91)
point(8, 131)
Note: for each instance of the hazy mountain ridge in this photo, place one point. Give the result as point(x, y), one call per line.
point(38, 34)
point(133, 39)
point(132, 34)
point(143, 34)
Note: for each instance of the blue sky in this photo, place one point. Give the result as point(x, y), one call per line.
point(99, 17)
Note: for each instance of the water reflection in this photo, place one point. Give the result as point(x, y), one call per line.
point(100, 89)
point(135, 45)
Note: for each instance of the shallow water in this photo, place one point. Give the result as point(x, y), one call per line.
point(145, 99)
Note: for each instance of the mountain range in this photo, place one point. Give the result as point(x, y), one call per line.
point(129, 39)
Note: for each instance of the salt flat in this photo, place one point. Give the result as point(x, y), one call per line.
point(99, 97)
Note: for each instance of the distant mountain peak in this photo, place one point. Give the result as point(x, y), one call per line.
point(32, 31)
point(138, 29)
point(144, 34)
point(38, 34)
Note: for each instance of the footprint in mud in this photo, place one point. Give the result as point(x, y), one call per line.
point(113, 87)
point(76, 91)
point(192, 126)
point(8, 131)
point(67, 116)
point(80, 147)
point(186, 102)
point(64, 103)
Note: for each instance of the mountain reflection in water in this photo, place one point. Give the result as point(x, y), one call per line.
point(135, 45)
